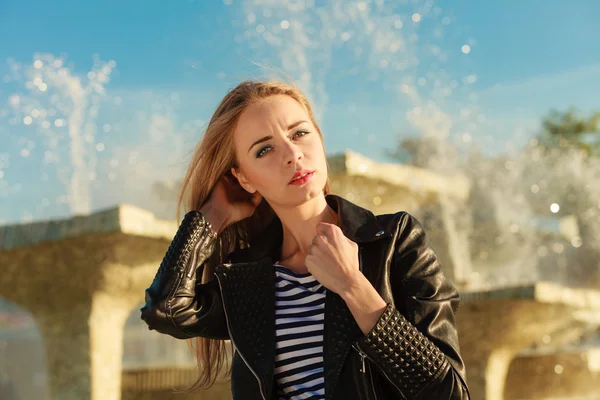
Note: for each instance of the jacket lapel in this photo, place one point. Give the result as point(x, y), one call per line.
point(248, 293)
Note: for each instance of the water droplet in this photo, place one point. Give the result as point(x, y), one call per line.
point(534, 188)
point(546, 339)
point(558, 248)
point(466, 49)
point(14, 100)
point(558, 369)
point(416, 17)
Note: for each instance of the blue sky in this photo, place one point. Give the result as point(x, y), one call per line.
point(375, 71)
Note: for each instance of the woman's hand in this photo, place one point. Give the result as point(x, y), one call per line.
point(333, 259)
point(228, 203)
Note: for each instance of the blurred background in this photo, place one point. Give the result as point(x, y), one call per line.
point(480, 118)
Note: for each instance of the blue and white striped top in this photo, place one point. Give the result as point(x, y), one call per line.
point(299, 313)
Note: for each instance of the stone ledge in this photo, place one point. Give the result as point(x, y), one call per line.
point(543, 292)
point(123, 218)
point(153, 379)
point(415, 179)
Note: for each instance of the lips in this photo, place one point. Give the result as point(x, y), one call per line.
point(300, 174)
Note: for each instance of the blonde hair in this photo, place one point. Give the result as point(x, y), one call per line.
point(214, 157)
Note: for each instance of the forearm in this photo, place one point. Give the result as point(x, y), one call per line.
point(415, 365)
point(363, 301)
point(217, 221)
point(175, 303)
point(409, 360)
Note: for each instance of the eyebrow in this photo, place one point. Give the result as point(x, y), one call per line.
point(264, 139)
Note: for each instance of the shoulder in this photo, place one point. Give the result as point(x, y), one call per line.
point(409, 244)
point(399, 223)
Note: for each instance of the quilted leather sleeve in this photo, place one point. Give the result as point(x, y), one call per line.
point(417, 350)
point(176, 303)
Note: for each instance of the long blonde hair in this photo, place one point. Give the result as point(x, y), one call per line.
point(215, 156)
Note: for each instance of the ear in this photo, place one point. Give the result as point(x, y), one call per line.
point(245, 183)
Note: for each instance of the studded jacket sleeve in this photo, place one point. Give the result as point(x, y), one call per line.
point(176, 303)
point(415, 343)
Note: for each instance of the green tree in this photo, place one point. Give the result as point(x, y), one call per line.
point(569, 129)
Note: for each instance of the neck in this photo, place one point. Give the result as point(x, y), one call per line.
point(300, 226)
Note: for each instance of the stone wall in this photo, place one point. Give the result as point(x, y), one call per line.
point(560, 375)
point(158, 384)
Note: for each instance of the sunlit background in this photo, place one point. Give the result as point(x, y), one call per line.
point(101, 103)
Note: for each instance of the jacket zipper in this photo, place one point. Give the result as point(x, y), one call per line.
point(364, 355)
point(192, 264)
point(238, 350)
point(372, 383)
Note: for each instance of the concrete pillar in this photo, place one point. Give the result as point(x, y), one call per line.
point(495, 325)
point(81, 278)
point(83, 340)
point(66, 339)
point(106, 323)
point(448, 228)
point(496, 371)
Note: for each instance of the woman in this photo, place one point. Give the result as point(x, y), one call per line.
point(319, 297)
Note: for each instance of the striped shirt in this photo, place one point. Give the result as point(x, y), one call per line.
point(299, 312)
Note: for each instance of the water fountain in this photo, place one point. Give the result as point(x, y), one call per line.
point(62, 109)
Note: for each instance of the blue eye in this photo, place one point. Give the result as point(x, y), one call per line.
point(261, 152)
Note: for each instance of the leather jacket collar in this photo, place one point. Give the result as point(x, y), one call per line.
point(248, 290)
point(357, 223)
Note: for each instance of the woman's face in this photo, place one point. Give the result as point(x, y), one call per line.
point(273, 139)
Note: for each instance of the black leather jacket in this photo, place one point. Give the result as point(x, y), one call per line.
point(411, 353)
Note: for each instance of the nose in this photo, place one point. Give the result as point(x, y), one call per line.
point(292, 153)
